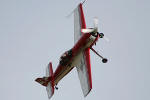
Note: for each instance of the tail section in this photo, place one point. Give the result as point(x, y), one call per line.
point(48, 81)
point(43, 81)
point(50, 86)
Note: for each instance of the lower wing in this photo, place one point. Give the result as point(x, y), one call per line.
point(84, 72)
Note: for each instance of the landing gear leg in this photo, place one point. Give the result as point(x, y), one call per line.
point(104, 60)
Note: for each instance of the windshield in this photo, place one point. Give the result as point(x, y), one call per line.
point(65, 57)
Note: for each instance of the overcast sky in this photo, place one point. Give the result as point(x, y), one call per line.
point(34, 32)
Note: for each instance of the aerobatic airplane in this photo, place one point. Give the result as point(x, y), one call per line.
point(78, 56)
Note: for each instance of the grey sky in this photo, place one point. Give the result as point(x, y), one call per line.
point(34, 32)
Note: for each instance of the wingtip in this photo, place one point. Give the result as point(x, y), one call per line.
point(37, 79)
point(87, 93)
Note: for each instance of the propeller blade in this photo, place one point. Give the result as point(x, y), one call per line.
point(95, 22)
point(106, 39)
point(87, 30)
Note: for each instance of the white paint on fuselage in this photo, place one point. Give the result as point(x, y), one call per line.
point(76, 60)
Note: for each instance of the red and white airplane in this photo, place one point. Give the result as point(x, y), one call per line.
point(78, 56)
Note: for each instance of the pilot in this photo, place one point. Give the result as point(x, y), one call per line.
point(65, 57)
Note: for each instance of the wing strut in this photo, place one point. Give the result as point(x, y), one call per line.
point(104, 60)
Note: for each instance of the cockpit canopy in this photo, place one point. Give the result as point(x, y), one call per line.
point(65, 57)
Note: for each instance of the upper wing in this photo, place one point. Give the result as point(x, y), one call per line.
point(84, 72)
point(79, 22)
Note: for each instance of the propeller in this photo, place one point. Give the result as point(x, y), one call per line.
point(90, 30)
point(106, 39)
point(95, 29)
point(95, 20)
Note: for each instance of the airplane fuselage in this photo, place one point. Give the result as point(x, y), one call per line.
point(86, 41)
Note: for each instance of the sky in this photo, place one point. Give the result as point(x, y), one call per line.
point(35, 32)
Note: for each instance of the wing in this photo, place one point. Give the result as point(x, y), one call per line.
point(79, 22)
point(84, 66)
point(84, 72)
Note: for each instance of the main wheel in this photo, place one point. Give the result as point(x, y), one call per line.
point(104, 60)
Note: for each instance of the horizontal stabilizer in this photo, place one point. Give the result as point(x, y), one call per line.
point(50, 85)
point(43, 81)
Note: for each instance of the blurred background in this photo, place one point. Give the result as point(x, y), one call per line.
point(34, 32)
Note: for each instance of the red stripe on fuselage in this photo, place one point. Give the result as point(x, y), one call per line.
point(59, 73)
point(81, 43)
